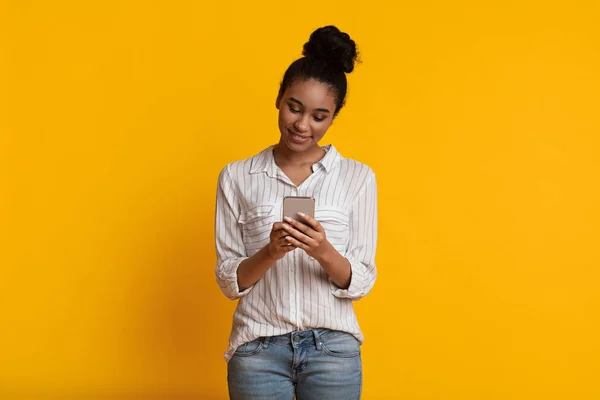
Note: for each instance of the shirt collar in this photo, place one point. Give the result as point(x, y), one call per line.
point(265, 162)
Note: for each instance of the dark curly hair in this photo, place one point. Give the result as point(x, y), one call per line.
point(329, 55)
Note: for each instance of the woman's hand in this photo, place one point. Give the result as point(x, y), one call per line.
point(308, 236)
point(278, 247)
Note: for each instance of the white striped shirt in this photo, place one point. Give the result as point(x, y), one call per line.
point(296, 292)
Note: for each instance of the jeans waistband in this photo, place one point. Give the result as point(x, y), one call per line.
point(307, 337)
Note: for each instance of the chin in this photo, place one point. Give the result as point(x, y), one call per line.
point(299, 146)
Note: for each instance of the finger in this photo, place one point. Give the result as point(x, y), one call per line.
point(283, 242)
point(299, 226)
point(313, 223)
point(296, 243)
point(280, 234)
point(298, 235)
point(277, 226)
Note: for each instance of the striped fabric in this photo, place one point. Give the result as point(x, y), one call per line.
point(295, 293)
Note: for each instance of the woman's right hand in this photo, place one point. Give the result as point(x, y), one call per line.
point(278, 247)
point(253, 268)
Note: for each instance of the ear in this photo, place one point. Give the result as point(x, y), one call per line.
point(277, 101)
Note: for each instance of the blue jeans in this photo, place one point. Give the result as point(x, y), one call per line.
point(313, 364)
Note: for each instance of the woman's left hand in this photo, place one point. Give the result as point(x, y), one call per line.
point(308, 236)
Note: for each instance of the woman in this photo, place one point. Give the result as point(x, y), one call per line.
point(294, 330)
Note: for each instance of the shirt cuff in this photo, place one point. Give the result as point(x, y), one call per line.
point(357, 286)
point(228, 279)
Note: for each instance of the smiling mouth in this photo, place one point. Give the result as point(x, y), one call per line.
point(300, 137)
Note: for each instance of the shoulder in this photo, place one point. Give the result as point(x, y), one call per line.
point(353, 178)
point(359, 171)
point(237, 170)
point(347, 166)
point(352, 164)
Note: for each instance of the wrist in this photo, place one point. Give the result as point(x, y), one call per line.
point(329, 256)
point(267, 254)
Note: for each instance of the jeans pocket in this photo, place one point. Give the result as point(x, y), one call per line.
point(250, 348)
point(340, 344)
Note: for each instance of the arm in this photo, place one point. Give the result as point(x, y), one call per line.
point(352, 276)
point(362, 244)
point(310, 237)
point(253, 268)
point(228, 237)
point(236, 272)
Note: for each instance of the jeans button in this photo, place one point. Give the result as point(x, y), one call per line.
point(296, 338)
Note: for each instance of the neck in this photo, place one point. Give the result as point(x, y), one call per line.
point(284, 156)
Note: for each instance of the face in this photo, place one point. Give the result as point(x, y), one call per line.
point(305, 113)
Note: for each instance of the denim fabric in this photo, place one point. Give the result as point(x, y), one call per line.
point(313, 364)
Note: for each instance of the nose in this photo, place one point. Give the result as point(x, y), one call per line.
point(301, 125)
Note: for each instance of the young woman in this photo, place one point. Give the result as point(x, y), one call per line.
point(294, 330)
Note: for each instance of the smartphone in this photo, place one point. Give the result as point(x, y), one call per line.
point(292, 205)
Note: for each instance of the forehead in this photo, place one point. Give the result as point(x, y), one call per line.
point(312, 93)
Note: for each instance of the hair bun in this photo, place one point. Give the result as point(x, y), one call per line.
point(332, 45)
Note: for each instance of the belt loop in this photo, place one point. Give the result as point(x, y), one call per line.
point(266, 341)
point(318, 341)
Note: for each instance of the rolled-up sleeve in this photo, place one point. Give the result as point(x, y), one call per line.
point(362, 243)
point(228, 237)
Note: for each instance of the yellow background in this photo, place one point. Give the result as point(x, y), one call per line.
point(481, 120)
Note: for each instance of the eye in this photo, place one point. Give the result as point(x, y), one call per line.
point(319, 119)
point(293, 110)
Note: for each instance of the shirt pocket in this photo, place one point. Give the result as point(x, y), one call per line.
point(336, 222)
point(257, 223)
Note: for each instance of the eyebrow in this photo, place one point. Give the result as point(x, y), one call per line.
point(316, 109)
